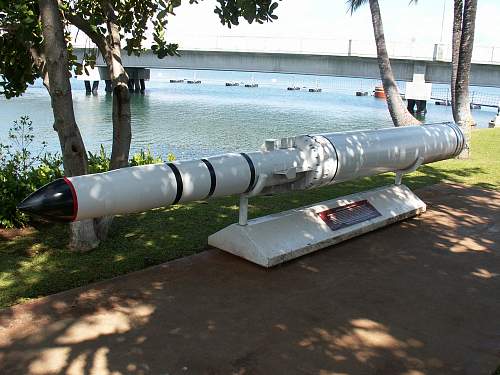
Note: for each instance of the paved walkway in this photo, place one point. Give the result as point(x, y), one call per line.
point(419, 297)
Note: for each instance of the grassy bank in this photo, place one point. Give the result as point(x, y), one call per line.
point(35, 262)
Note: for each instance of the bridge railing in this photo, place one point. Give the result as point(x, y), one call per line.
point(324, 46)
point(330, 46)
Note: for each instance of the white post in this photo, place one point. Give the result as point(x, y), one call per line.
point(243, 219)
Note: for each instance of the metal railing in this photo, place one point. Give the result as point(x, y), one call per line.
point(321, 46)
point(475, 97)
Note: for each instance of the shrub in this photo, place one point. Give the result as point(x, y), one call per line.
point(144, 157)
point(99, 162)
point(21, 172)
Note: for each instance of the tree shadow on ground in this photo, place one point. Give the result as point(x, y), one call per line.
point(419, 297)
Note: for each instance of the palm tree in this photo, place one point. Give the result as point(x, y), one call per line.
point(464, 20)
point(397, 109)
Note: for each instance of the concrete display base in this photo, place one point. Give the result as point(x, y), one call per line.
point(274, 239)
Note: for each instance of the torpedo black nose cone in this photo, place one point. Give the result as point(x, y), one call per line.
point(55, 201)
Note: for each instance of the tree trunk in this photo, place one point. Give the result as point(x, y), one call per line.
point(397, 109)
point(464, 116)
point(122, 131)
point(458, 9)
point(74, 155)
point(110, 48)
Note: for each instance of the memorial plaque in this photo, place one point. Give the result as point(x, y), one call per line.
point(349, 214)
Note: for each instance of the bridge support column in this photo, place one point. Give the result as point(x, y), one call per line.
point(411, 105)
point(419, 67)
point(137, 78)
point(421, 107)
point(109, 86)
point(137, 86)
point(88, 89)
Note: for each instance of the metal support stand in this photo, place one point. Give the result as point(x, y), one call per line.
point(277, 238)
point(411, 168)
point(243, 210)
point(243, 217)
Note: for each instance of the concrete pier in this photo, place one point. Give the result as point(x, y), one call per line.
point(136, 83)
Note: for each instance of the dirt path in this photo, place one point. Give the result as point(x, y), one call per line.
point(419, 297)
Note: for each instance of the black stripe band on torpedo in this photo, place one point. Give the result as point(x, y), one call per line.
point(213, 178)
point(294, 163)
point(252, 172)
point(178, 180)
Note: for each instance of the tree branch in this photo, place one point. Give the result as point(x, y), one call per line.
point(98, 39)
point(39, 62)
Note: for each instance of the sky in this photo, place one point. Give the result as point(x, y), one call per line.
point(304, 19)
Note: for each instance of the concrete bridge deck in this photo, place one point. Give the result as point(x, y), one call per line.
point(418, 297)
point(482, 74)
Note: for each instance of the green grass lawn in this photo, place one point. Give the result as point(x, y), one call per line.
point(37, 262)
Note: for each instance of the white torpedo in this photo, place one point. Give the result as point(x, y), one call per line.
point(294, 163)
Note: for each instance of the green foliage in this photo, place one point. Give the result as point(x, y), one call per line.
point(21, 57)
point(99, 162)
point(21, 172)
point(134, 16)
point(144, 157)
point(20, 38)
point(229, 11)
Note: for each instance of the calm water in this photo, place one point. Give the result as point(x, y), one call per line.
point(207, 119)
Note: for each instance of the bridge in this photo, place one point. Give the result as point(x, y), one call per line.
point(327, 57)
